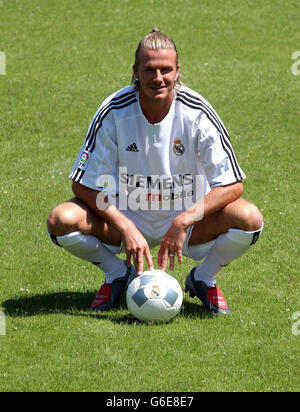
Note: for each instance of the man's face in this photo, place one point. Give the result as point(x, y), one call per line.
point(156, 71)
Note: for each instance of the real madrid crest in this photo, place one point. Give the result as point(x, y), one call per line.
point(155, 292)
point(178, 147)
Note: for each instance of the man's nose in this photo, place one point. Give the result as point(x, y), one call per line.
point(158, 76)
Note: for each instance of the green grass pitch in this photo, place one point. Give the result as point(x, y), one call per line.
point(62, 59)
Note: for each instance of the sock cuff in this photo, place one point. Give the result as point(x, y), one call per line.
point(65, 240)
point(244, 237)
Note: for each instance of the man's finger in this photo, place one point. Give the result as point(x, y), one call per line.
point(128, 258)
point(179, 256)
point(163, 255)
point(164, 260)
point(139, 263)
point(149, 259)
point(172, 259)
point(159, 256)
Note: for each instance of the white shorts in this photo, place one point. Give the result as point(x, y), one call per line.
point(195, 252)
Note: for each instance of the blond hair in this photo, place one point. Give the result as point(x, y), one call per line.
point(155, 40)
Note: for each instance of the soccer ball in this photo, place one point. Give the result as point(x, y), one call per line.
point(154, 296)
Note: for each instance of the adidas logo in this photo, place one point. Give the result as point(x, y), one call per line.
point(132, 148)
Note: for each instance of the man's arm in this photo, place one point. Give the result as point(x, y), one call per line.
point(212, 202)
point(135, 244)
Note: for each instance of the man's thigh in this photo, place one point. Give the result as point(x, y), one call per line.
point(234, 215)
point(74, 215)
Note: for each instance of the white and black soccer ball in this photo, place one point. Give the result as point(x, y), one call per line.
point(154, 296)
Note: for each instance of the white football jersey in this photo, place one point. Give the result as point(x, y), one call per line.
point(189, 151)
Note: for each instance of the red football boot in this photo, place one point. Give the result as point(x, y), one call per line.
point(211, 297)
point(110, 293)
point(102, 297)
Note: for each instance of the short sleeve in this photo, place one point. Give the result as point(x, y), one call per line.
point(96, 164)
point(216, 153)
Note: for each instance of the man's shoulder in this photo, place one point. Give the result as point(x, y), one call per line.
point(121, 99)
point(196, 105)
point(124, 94)
point(189, 96)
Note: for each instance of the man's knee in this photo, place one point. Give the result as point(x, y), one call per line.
point(251, 218)
point(242, 215)
point(62, 220)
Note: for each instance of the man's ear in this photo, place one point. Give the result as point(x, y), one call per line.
point(135, 70)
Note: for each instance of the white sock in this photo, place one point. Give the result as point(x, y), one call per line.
point(226, 248)
point(90, 248)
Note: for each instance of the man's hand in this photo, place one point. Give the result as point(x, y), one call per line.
point(135, 244)
point(171, 246)
point(136, 248)
point(212, 202)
